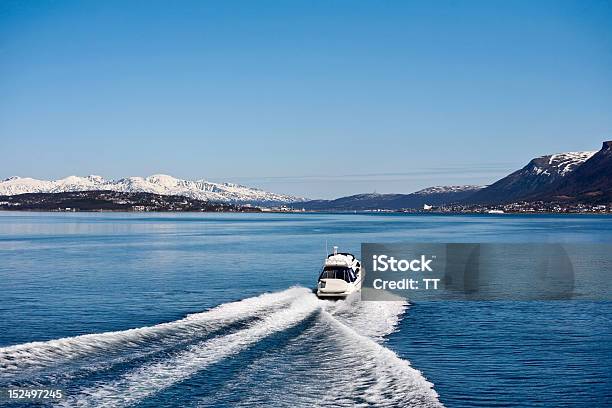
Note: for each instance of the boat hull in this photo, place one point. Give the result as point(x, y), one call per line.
point(337, 290)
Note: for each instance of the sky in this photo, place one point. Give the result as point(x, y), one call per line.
point(314, 98)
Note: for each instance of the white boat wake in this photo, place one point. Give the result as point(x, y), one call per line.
point(291, 349)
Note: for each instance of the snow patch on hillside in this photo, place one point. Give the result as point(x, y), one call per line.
point(448, 189)
point(557, 165)
point(566, 162)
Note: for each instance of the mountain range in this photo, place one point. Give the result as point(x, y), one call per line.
point(573, 177)
point(537, 177)
point(584, 177)
point(157, 184)
point(431, 196)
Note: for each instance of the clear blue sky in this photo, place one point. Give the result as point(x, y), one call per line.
point(317, 98)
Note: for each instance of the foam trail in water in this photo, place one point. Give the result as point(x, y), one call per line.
point(155, 377)
point(16, 359)
point(390, 380)
point(374, 320)
point(338, 361)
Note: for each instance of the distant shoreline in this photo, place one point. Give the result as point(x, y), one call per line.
point(113, 201)
point(258, 211)
point(140, 202)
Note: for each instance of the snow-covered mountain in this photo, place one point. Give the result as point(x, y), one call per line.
point(588, 182)
point(538, 175)
point(158, 184)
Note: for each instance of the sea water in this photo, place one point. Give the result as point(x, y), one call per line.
point(207, 310)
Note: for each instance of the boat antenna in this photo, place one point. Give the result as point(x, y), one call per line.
point(326, 250)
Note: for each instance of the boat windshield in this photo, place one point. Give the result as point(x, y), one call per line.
point(334, 272)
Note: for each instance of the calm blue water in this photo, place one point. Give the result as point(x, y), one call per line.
point(191, 286)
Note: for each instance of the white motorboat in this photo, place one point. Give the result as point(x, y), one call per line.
point(341, 275)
